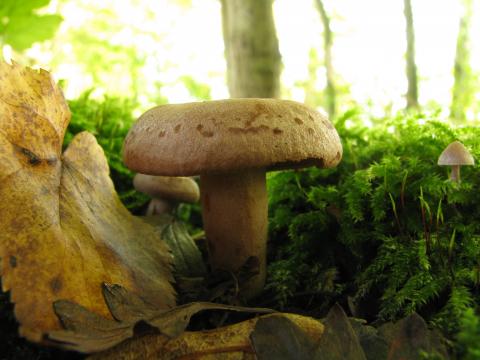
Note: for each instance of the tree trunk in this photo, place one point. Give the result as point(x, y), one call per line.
point(412, 92)
point(463, 87)
point(330, 90)
point(251, 48)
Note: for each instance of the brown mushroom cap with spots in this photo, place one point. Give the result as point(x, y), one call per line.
point(166, 191)
point(455, 155)
point(231, 144)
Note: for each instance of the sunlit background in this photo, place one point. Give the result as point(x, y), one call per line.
point(173, 50)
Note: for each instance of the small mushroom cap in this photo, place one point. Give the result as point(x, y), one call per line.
point(230, 135)
point(455, 154)
point(182, 189)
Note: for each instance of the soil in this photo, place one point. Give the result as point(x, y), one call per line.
point(13, 347)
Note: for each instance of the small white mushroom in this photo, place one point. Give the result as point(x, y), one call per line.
point(455, 155)
point(166, 191)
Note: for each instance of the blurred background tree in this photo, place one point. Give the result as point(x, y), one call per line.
point(463, 90)
point(330, 88)
point(412, 90)
point(323, 53)
point(251, 48)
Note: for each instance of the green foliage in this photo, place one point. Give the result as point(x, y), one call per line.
point(316, 90)
point(100, 58)
point(399, 235)
point(112, 50)
point(21, 25)
point(109, 120)
point(469, 336)
point(196, 89)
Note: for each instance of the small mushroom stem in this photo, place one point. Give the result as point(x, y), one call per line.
point(235, 219)
point(455, 174)
point(158, 206)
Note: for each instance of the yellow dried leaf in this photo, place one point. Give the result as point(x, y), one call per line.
point(63, 228)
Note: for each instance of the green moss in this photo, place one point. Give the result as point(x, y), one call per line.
point(388, 226)
point(469, 336)
point(109, 119)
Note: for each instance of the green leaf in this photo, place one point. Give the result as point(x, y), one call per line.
point(188, 260)
point(12, 8)
point(24, 30)
point(196, 89)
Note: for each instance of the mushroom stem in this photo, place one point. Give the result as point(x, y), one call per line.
point(455, 174)
point(235, 219)
point(158, 206)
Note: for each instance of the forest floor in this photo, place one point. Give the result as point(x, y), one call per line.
point(13, 347)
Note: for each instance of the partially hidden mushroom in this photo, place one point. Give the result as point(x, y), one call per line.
point(455, 155)
point(166, 191)
point(231, 144)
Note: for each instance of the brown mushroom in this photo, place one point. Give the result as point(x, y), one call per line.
point(231, 144)
point(455, 155)
point(166, 191)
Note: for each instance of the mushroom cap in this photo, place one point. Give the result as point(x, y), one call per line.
point(455, 154)
point(230, 135)
point(182, 189)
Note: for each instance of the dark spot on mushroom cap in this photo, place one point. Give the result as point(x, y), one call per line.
point(56, 284)
point(298, 121)
point(13, 261)
point(177, 128)
point(328, 124)
point(311, 131)
point(277, 131)
point(161, 133)
point(338, 156)
point(252, 129)
point(258, 111)
point(204, 133)
point(261, 108)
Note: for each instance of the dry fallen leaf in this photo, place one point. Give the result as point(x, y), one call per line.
point(87, 332)
point(281, 339)
point(63, 228)
point(409, 336)
point(284, 340)
point(227, 343)
point(339, 342)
